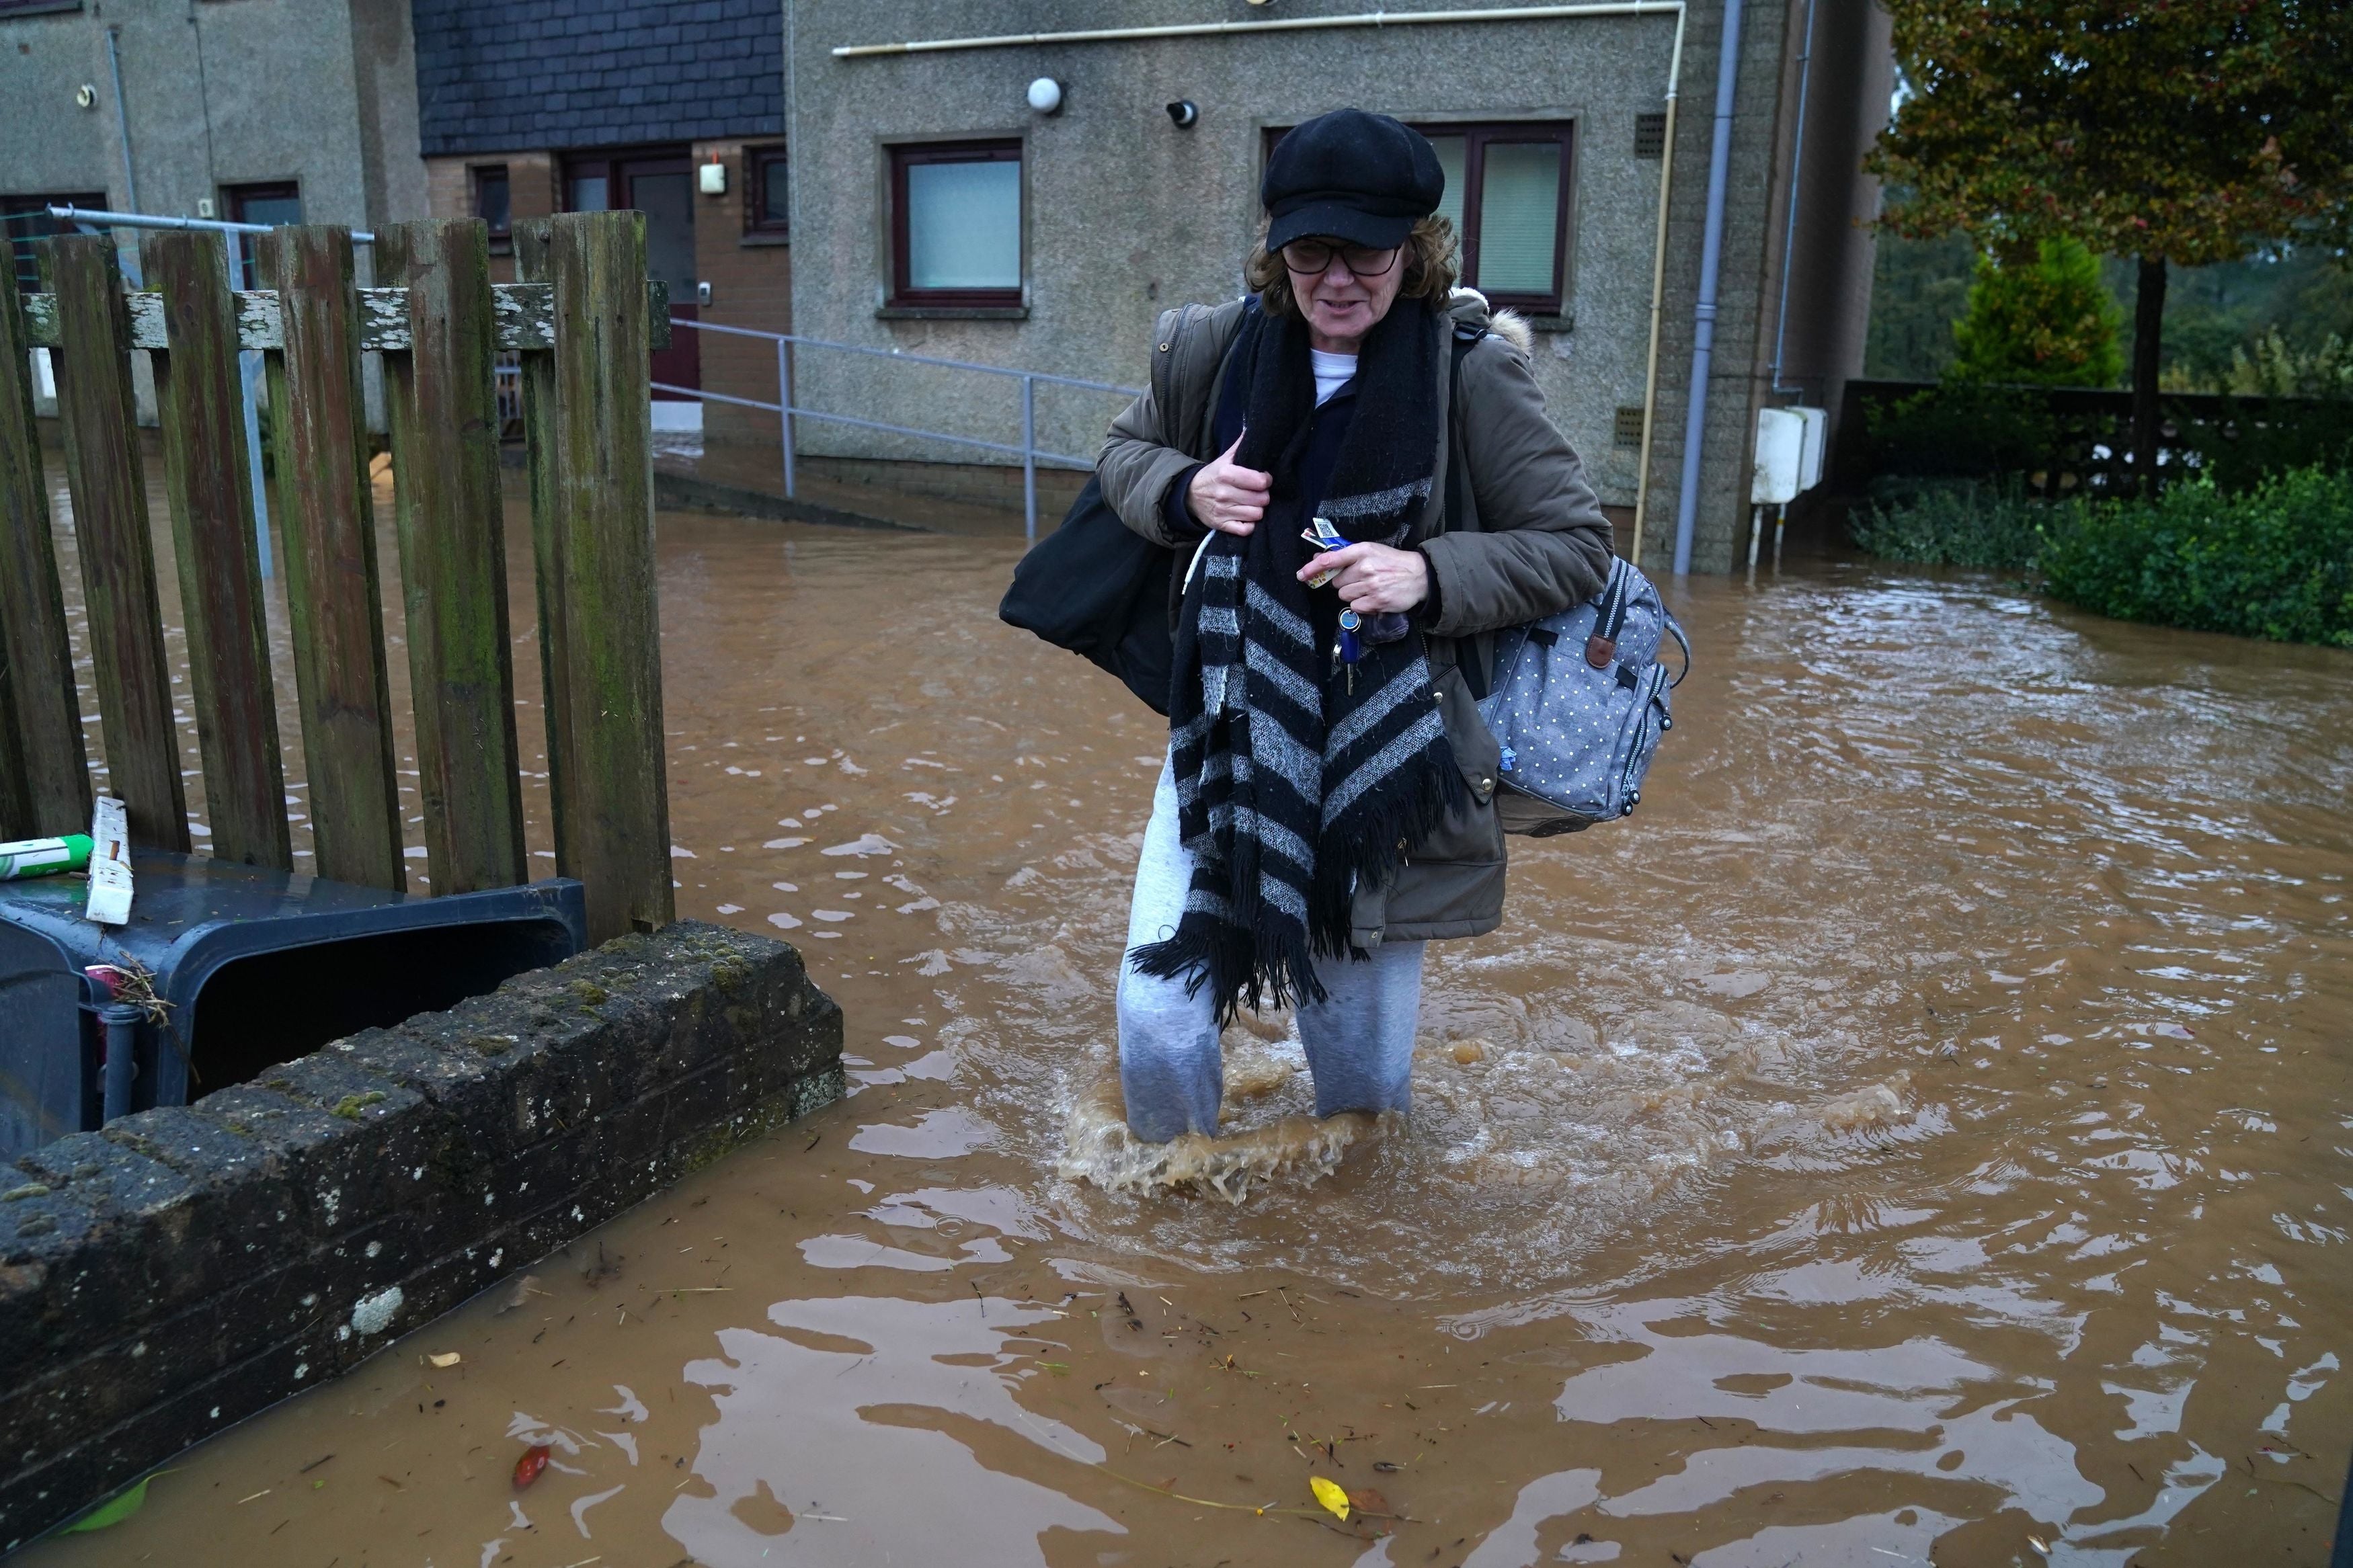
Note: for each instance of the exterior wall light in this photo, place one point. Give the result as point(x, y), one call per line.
point(1046, 95)
point(1184, 113)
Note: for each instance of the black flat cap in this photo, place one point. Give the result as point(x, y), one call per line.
point(1362, 178)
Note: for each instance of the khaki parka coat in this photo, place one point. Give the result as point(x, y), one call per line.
point(1531, 541)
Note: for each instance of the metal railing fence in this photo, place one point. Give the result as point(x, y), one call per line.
point(787, 410)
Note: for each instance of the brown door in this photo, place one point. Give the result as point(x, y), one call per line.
point(661, 186)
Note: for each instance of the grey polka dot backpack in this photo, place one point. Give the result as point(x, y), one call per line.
point(1578, 704)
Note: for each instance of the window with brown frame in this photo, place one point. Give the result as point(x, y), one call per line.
point(767, 198)
point(1508, 187)
point(494, 205)
point(955, 225)
point(274, 203)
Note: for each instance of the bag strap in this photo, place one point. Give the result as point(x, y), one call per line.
point(1674, 629)
point(1610, 620)
point(1474, 671)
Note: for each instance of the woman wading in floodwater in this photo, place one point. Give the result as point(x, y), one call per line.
point(1327, 805)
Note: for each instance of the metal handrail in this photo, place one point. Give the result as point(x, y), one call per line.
point(787, 410)
point(156, 220)
point(908, 358)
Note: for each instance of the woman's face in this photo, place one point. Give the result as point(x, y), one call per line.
point(1339, 306)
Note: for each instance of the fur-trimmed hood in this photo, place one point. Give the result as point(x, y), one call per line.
point(1470, 309)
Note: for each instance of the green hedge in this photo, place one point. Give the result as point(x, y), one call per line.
point(1987, 524)
point(2274, 560)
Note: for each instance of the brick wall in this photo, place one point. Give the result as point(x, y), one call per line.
point(750, 280)
point(531, 192)
point(166, 1277)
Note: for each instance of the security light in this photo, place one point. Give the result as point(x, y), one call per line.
point(1046, 95)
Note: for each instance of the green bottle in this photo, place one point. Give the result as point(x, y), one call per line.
point(43, 856)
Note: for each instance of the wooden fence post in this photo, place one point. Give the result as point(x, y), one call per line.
point(200, 406)
point(615, 833)
point(45, 790)
point(536, 381)
point(110, 536)
point(441, 399)
point(327, 521)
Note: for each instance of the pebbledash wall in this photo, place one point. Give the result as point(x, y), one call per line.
point(1125, 214)
point(186, 1268)
point(316, 94)
point(523, 85)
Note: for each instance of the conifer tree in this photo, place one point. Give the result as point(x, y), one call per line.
point(2043, 318)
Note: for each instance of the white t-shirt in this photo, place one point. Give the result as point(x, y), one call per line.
point(1332, 373)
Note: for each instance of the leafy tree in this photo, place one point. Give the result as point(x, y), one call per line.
point(2043, 318)
point(2171, 131)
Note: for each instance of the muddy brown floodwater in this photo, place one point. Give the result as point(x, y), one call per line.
point(1921, 1134)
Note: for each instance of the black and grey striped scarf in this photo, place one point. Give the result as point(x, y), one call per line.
point(1293, 780)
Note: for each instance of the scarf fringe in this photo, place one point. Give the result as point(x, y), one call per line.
point(1254, 967)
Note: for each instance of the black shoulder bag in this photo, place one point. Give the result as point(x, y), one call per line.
point(1097, 587)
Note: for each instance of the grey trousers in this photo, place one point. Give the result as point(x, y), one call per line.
point(1359, 1039)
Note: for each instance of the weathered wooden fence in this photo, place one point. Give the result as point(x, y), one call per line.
point(582, 323)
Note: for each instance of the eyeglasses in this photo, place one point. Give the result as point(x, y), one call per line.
point(1310, 257)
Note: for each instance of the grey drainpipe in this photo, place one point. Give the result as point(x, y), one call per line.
point(122, 120)
point(1711, 263)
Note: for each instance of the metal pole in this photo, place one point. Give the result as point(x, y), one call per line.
point(785, 409)
point(1029, 458)
point(72, 213)
point(249, 376)
point(1711, 266)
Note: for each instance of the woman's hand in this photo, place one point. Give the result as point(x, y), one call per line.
point(1374, 577)
point(1227, 497)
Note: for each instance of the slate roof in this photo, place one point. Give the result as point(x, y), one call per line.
point(496, 75)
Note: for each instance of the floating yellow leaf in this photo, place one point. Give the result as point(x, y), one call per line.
point(1331, 1495)
point(445, 1359)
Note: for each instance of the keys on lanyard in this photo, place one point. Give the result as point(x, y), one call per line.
point(1350, 648)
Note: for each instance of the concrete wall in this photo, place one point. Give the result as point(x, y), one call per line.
point(1721, 517)
point(1126, 214)
point(217, 95)
point(1829, 271)
point(164, 1279)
